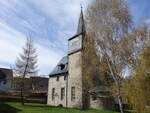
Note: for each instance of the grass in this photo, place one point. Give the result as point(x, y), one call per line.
point(14, 107)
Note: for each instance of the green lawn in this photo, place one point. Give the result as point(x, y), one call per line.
point(13, 107)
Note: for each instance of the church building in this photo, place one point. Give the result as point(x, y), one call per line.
point(66, 80)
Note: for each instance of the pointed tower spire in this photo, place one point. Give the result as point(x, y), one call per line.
point(81, 26)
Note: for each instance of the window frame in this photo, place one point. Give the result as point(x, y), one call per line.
point(62, 93)
point(57, 78)
point(65, 77)
point(73, 96)
point(53, 93)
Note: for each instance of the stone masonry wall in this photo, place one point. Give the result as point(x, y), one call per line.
point(75, 80)
point(53, 83)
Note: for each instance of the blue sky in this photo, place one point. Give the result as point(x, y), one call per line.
point(51, 23)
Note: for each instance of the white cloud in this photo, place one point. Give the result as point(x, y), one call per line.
point(11, 43)
point(47, 19)
point(47, 59)
point(61, 11)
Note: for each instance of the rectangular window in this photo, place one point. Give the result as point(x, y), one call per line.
point(53, 93)
point(65, 77)
point(62, 93)
point(57, 79)
point(72, 93)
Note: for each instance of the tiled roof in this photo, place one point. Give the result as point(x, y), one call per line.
point(58, 69)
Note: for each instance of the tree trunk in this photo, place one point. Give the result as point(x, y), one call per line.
point(85, 100)
point(22, 87)
point(22, 99)
point(22, 91)
point(120, 104)
point(117, 86)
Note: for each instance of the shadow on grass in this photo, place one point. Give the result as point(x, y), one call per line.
point(5, 108)
point(74, 110)
point(39, 106)
point(52, 107)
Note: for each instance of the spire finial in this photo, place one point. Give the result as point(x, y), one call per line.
point(80, 22)
point(81, 6)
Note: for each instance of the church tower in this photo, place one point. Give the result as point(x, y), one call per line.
point(67, 84)
point(75, 85)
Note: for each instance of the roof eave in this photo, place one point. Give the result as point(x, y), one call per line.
point(58, 74)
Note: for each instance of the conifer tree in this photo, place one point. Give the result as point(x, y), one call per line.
point(26, 65)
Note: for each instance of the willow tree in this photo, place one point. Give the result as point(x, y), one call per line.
point(109, 21)
point(137, 88)
point(96, 72)
point(26, 65)
point(90, 68)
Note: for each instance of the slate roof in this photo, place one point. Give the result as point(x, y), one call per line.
point(57, 70)
point(81, 26)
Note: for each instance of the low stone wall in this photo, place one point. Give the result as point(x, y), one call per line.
point(17, 99)
point(102, 103)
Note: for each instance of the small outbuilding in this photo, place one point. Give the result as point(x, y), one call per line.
point(6, 76)
point(101, 98)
